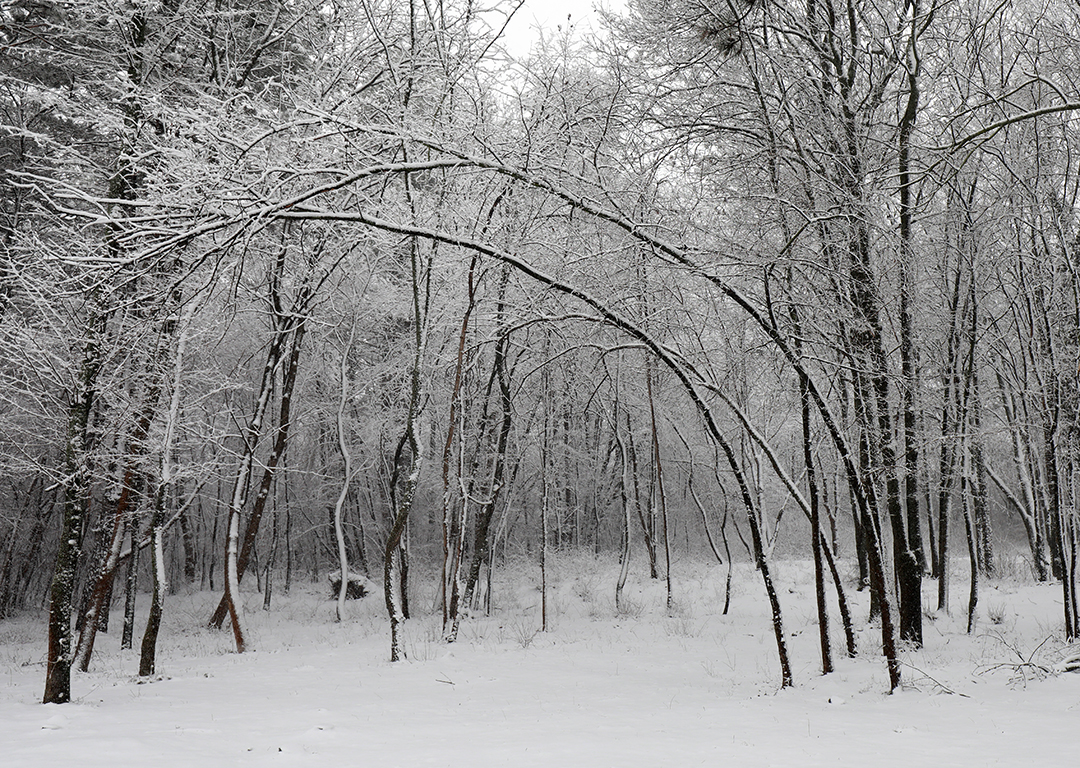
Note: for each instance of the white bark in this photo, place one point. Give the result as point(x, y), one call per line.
point(343, 446)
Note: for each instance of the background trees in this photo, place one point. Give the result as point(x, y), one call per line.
point(305, 286)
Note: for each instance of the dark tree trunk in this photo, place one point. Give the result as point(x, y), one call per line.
point(812, 490)
point(646, 528)
point(815, 532)
point(251, 532)
point(403, 486)
point(661, 490)
point(909, 557)
point(482, 544)
point(148, 651)
point(950, 427)
point(980, 502)
point(187, 536)
point(76, 490)
point(453, 525)
point(624, 498)
point(130, 590)
point(973, 554)
point(123, 519)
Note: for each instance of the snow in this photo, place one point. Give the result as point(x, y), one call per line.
point(644, 688)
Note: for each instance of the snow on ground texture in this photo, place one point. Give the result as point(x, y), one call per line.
point(642, 689)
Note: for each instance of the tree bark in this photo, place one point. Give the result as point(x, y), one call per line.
point(76, 488)
point(251, 532)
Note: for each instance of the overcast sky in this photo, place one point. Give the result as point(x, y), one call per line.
point(549, 15)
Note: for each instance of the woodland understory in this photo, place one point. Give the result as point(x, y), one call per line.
point(296, 289)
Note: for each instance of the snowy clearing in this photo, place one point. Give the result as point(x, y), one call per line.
point(644, 688)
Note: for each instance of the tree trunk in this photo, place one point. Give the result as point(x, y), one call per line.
point(786, 679)
point(346, 457)
point(661, 490)
point(646, 531)
point(131, 588)
point(908, 352)
point(812, 489)
point(453, 526)
point(123, 520)
point(76, 490)
point(251, 532)
point(481, 545)
point(148, 654)
point(980, 502)
point(191, 563)
point(624, 498)
point(395, 556)
point(1028, 509)
point(973, 555)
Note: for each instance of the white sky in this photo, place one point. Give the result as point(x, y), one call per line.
point(549, 15)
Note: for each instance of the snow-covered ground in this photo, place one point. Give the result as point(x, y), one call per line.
point(642, 689)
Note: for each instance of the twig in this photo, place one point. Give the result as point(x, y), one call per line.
point(938, 683)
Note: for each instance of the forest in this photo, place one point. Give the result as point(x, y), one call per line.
point(343, 292)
